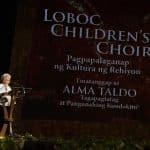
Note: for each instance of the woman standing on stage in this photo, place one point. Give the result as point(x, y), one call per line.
point(5, 89)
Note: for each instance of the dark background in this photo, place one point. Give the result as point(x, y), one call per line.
point(8, 10)
point(50, 127)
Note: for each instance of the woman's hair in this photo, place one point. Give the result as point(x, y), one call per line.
point(5, 75)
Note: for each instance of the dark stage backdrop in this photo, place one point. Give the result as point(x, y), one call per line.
point(84, 60)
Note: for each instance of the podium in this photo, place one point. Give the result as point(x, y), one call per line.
point(8, 117)
point(8, 111)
